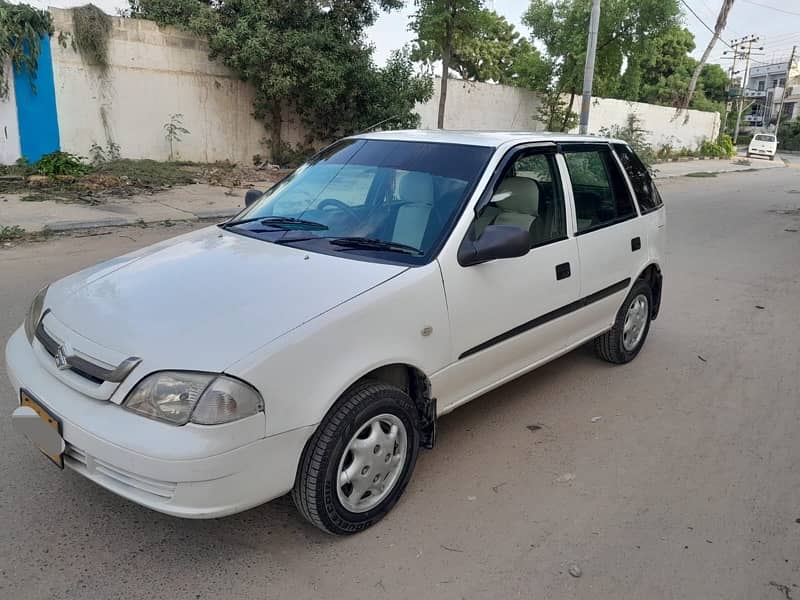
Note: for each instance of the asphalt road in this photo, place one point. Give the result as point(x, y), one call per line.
point(688, 485)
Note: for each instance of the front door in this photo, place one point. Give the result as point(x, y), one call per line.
point(506, 315)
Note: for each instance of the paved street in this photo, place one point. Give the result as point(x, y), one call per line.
point(687, 487)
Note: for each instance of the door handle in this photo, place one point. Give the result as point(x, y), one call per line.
point(636, 244)
point(563, 271)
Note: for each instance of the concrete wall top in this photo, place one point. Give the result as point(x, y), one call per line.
point(141, 44)
point(472, 105)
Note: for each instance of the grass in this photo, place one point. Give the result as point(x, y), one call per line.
point(744, 162)
point(145, 173)
point(10, 233)
point(701, 174)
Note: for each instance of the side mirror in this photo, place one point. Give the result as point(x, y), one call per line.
point(497, 241)
point(251, 196)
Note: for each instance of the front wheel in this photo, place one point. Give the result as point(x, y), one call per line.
point(357, 464)
point(625, 339)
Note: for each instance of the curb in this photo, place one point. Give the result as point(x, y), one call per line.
point(201, 215)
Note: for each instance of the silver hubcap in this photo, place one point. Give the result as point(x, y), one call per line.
point(372, 463)
point(635, 322)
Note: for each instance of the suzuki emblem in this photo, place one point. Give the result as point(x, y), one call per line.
point(61, 358)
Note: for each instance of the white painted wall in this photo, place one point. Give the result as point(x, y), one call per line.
point(154, 73)
point(664, 125)
point(488, 106)
point(473, 105)
point(9, 126)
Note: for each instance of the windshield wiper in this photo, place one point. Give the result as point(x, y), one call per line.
point(374, 244)
point(239, 222)
point(280, 223)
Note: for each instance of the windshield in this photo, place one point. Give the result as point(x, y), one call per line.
point(765, 138)
point(390, 200)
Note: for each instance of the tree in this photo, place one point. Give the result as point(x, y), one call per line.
point(494, 51)
point(437, 25)
point(722, 20)
point(308, 56)
point(626, 30)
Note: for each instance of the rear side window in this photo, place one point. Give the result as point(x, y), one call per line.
point(646, 192)
point(601, 195)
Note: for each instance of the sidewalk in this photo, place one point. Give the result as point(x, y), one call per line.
point(682, 168)
point(186, 203)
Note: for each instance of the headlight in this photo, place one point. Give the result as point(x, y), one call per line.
point(35, 313)
point(178, 397)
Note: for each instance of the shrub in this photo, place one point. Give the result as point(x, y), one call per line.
point(61, 163)
point(633, 133)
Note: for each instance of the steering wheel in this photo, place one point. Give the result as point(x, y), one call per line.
point(334, 203)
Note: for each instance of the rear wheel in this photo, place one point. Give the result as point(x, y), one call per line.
point(356, 466)
point(625, 339)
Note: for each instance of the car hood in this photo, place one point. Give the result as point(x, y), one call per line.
point(206, 299)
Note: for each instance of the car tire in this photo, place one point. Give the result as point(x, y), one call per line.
point(339, 450)
point(625, 339)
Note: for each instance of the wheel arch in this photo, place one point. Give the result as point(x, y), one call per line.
point(414, 382)
point(652, 275)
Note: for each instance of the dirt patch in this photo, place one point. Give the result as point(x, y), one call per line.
point(125, 177)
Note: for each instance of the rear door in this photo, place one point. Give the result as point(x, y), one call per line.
point(610, 235)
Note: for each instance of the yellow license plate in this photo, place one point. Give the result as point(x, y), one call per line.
point(50, 420)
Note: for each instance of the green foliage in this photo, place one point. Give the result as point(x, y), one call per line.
point(644, 35)
point(441, 26)
point(788, 135)
point(636, 136)
point(174, 132)
point(661, 74)
point(724, 148)
point(304, 56)
point(61, 163)
point(554, 112)
point(21, 29)
point(92, 29)
point(626, 28)
point(9, 233)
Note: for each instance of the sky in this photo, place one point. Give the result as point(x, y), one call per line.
point(776, 22)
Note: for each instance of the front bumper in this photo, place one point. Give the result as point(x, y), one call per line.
point(191, 471)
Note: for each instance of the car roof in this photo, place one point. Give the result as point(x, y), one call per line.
point(479, 138)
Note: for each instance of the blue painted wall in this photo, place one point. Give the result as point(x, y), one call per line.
point(36, 111)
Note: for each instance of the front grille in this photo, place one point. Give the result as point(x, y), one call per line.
point(87, 369)
point(115, 478)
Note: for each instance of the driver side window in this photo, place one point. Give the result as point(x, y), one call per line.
point(528, 196)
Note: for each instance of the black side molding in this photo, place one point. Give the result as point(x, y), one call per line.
point(547, 317)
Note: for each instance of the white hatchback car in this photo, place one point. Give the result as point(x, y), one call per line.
point(310, 343)
point(763, 144)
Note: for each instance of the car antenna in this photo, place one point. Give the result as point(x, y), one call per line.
point(371, 127)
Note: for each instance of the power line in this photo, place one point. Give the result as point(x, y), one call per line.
point(786, 12)
point(691, 10)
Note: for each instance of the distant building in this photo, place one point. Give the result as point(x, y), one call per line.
point(765, 88)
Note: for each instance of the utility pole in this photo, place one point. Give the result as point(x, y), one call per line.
point(730, 87)
point(749, 41)
point(783, 93)
point(588, 71)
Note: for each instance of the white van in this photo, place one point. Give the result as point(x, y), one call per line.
point(763, 144)
point(309, 344)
